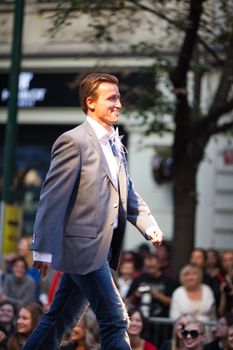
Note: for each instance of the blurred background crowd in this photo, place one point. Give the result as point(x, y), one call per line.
point(194, 309)
point(174, 61)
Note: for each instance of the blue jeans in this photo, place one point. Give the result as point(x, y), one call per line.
point(74, 294)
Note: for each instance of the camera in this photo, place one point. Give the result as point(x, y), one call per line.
point(144, 289)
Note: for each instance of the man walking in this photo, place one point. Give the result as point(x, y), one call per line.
point(85, 201)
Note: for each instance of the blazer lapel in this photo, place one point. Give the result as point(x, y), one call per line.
point(98, 147)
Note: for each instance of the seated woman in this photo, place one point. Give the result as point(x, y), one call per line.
point(85, 335)
point(176, 342)
point(135, 330)
point(192, 296)
point(194, 335)
point(28, 318)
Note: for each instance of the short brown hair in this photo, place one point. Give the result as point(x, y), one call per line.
point(22, 259)
point(89, 85)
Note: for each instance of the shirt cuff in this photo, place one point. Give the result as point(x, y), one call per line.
point(150, 230)
point(40, 256)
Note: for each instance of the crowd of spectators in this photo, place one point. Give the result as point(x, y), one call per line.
point(192, 311)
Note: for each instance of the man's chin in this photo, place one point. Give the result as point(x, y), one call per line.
point(115, 119)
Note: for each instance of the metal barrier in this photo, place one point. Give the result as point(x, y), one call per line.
point(167, 320)
point(159, 329)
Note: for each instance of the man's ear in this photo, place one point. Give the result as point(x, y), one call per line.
point(90, 103)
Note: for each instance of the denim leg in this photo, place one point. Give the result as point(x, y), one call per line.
point(67, 307)
point(106, 302)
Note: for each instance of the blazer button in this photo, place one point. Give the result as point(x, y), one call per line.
point(115, 205)
point(112, 222)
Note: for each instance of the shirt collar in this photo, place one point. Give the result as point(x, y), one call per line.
point(102, 134)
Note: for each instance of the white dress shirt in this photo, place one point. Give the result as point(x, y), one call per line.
point(103, 136)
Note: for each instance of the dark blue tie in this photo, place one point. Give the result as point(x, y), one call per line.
point(113, 147)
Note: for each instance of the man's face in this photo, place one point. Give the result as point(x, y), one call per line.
point(151, 266)
point(127, 269)
point(18, 269)
point(227, 261)
point(198, 259)
point(106, 107)
point(221, 328)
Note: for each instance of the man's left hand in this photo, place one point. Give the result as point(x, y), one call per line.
point(156, 237)
point(42, 267)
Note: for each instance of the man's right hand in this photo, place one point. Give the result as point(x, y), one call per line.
point(42, 267)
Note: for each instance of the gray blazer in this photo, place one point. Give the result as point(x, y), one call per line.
point(79, 203)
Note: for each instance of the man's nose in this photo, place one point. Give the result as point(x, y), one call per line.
point(118, 104)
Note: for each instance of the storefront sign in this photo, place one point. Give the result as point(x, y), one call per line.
point(228, 156)
point(61, 89)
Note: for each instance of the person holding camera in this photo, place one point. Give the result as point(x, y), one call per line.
point(151, 292)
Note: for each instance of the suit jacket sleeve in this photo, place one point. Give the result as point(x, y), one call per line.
point(55, 195)
point(138, 212)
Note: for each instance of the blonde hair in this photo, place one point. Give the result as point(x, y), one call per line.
point(186, 269)
point(175, 339)
point(89, 322)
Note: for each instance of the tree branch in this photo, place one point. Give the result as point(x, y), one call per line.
point(178, 76)
point(177, 25)
point(201, 125)
point(226, 80)
point(217, 112)
point(66, 7)
point(221, 128)
point(210, 50)
point(158, 13)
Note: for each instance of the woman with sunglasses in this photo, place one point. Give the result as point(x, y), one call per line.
point(193, 335)
point(176, 342)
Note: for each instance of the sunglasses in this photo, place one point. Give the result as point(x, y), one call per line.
point(193, 333)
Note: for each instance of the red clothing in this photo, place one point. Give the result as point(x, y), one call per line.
point(54, 285)
point(149, 346)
